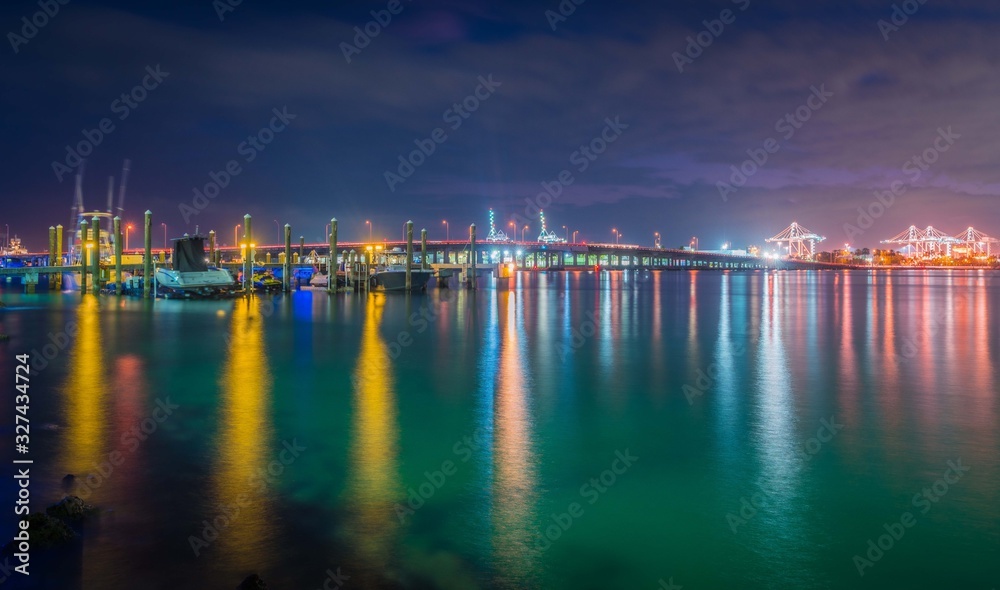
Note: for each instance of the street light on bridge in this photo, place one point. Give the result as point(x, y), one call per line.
point(446, 229)
point(614, 230)
point(574, 235)
point(369, 224)
point(523, 229)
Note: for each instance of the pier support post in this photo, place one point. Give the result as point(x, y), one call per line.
point(213, 253)
point(331, 266)
point(409, 256)
point(365, 273)
point(302, 247)
point(350, 268)
point(472, 254)
point(52, 256)
point(95, 255)
point(286, 271)
point(59, 253)
point(147, 255)
point(247, 255)
point(423, 250)
point(118, 255)
point(84, 251)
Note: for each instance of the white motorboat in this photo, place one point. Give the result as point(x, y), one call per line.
point(190, 275)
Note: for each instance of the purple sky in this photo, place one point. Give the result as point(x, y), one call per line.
point(886, 101)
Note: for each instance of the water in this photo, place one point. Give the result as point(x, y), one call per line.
point(752, 430)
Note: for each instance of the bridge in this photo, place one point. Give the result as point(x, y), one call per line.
point(539, 256)
point(547, 253)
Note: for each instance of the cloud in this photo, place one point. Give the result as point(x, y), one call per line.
point(686, 129)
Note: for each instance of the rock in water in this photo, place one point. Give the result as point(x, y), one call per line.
point(252, 582)
point(71, 509)
point(47, 531)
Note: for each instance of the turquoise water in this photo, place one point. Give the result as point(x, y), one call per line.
point(585, 430)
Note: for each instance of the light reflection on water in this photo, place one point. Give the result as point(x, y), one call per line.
point(85, 390)
point(373, 478)
point(241, 483)
point(907, 361)
point(514, 470)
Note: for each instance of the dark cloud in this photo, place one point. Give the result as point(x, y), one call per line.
point(353, 120)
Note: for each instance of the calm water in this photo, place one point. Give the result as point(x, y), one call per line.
point(476, 440)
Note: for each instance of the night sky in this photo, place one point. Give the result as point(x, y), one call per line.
point(874, 96)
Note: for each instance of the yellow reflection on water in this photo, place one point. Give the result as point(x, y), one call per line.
point(513, 461)
point(86, 389)
point(244, 438)
point(373, 485)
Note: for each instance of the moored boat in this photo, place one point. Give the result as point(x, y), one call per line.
point(190, 275)
point(393, 278)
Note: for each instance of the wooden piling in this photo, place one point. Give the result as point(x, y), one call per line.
point(119, 283)
point(302, 247)
point(350, 268)
point(213, 252)
point(347, 269)
point(84, 259)
point(286, 270)
point(472, 254)
point(147, 255)
point(247, 255)
point(409, 256)
point(95, 255)
point(423, 250)
point(332, 266)
point(59, 253)
point(52, 256)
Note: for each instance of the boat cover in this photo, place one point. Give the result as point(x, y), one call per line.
point(189, 254)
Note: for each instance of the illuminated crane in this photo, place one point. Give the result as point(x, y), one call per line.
point(546, 236)
point(496, 235)
point(801, 241)
point(924, 242)
point(976, 241)
point(103, 230)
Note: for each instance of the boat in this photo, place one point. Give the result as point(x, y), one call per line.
point(266, 281)
point(393, 278)
point(190, 275)
point(321, 280)
point(14, 248)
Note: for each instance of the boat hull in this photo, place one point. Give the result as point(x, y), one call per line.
point(395, 280)
point(321, 280)
point(212, 282)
